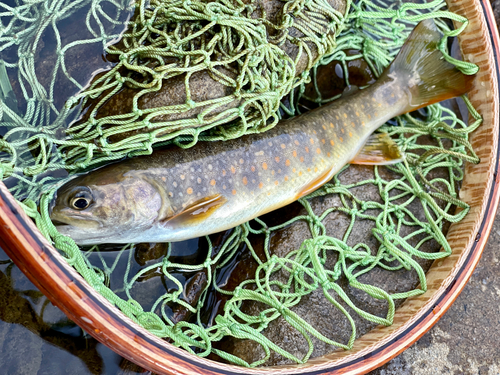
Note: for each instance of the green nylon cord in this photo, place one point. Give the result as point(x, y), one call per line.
point(33, 149)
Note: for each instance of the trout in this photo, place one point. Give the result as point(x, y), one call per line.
point(174, 194)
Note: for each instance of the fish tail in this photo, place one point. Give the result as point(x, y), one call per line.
point(421, 67)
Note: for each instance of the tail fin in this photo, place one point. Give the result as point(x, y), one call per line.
point(421, 66)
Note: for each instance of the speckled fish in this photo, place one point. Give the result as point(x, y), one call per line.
point(176, 194)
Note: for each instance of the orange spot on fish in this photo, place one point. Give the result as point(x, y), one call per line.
point(283, 146)
point(287, 162)
point(234, 192)
point(183, 177)
point(301, 159)
point(332, 142)
point(296, 142)
point(323, 141)
point(294, 153)
point(369, 117)
point(331, 125)
point(245, 181)
point(286, 178)
point(276, 183)
point(212, 182)
point(328, 154)
point(261, 185)
point(345, 115)
point(315, 169)
point(300, 173)
point(318, 150)
point(164, 179)
point(307, 149)
point(189, 190)
point(357, 114)
point(324, 127)
point(264, 165)
point(350, 134)
point(252, 168)
point(315, 132)
point(223, 172)
point(242, 161)
point(342, 130)
point(233, 169)
point(272, 172)
point(353, 124)
point(362, 123)
point(224, 187)
point(294, 170)
point(309, 169)
point(341, 139)
point(312, 141)
point(277, 158)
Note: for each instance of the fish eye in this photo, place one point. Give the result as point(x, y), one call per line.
point(81, 200)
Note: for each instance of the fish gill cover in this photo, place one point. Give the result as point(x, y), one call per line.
point(56, 117)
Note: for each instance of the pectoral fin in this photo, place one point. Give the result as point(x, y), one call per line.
point(380, 149)
point(198, 211)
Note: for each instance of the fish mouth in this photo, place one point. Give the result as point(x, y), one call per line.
point(83, 222)
point(58, 223)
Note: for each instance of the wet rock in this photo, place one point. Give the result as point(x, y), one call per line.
point(315, 308)
point(467, 338)
point(205, 85)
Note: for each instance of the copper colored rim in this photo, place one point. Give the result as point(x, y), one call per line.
point(43, 265)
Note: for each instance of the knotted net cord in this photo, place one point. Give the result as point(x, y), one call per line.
point(32, 149)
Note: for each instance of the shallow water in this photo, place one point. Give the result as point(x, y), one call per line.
point(37, 338)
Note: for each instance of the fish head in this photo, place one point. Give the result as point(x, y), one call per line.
point(92, 211)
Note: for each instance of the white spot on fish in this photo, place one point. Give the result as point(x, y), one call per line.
point(210, 167)
point(174, 183)
point(260, 153)
point(180, 194)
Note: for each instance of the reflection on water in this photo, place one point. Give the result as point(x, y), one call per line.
point(37, 338)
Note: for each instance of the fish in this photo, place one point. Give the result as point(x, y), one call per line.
point(176, 194)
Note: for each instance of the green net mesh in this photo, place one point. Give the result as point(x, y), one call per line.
point(176, 40)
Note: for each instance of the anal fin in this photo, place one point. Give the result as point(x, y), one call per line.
point(198, 211)
point(380, 149)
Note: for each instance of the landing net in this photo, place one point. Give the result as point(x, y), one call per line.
point(165, 40)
